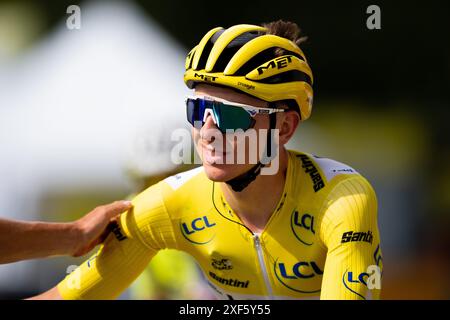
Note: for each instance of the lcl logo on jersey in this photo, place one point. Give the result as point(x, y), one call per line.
point(371, 279)
point(198, 230)
point(297, 276)
point(302, 226)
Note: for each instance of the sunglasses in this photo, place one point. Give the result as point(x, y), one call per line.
point(225, 114)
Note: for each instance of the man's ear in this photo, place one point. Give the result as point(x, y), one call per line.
point(288, 123)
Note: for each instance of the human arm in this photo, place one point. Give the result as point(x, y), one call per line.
point(21, 240)
point(105, 274)
point(138, 235)
point(349, 230)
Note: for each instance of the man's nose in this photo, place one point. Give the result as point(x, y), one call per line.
point(208, 128)
point(209, 122)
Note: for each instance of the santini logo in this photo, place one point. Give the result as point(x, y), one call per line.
point(352, 236)
point(229, 282)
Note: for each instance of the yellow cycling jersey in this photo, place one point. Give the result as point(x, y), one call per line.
point(321, 241)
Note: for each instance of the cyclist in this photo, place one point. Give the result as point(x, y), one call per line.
point(286, 225)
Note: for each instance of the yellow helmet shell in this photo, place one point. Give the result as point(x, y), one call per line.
point(243, 57)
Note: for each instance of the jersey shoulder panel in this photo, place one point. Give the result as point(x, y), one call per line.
point(178, 180)
point(326, 169)
point(348, 228)
point(150, 219)
point(186, 191)
point(332, 168)
point(351, 205)
point(320, 175)
point(157, 210)
point(335, 191)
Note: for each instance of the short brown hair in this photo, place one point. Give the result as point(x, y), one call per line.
point(291, 31)
point(285, 29)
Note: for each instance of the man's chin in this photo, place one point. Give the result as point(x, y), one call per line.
point(221, 172)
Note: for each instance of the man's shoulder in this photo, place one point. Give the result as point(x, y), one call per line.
point(184, 179)
point(190, 188)
point(172, 187)
point(170, 197)
point(334, 189)
point(326, 174)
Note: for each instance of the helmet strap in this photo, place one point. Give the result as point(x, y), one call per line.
point(240, 182)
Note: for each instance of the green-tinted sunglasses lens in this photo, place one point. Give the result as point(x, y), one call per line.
point(232, 117)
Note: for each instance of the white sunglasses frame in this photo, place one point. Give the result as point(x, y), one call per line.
point(252, 110)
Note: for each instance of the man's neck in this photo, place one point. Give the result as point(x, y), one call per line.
point(255, 204)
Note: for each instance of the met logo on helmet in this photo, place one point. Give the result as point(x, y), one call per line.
point(205, 77)
point(279, 63)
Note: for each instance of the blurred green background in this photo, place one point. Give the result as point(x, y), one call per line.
point(78, 107)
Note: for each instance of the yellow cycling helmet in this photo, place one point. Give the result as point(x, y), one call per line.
point(244, 57)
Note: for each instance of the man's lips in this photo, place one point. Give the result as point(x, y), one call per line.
point(217, 151)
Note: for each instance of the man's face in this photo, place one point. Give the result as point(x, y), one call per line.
point(213, 153)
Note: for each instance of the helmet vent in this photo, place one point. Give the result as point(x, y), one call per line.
point(231, 49)
point(207, 50)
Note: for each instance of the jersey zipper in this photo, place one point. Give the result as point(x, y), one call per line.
point(262, 265)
